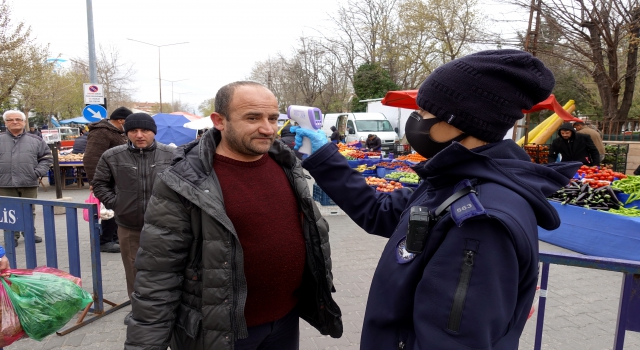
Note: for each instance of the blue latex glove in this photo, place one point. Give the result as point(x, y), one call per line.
point(318, 137)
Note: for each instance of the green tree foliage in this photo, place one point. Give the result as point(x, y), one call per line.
point(599, 39)
point(370, 81)
point(16, 53)
point(207, 107)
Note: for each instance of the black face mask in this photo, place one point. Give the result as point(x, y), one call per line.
point(418, 132)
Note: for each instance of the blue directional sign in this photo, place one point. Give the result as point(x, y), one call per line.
point(94, 113)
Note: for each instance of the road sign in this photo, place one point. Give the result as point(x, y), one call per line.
point(93, 100)
point(94, 113)
point(93, 90)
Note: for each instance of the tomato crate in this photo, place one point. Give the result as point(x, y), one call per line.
point(539, 153)
point(321, 197)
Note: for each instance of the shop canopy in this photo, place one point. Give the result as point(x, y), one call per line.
point(407, 99)
point(77, 120)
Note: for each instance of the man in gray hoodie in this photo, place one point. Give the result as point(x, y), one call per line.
point(24, 158)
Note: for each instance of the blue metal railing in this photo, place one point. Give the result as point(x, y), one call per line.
point(629, 307)
point(16, 215)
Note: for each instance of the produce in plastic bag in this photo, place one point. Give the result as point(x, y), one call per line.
point(44, 302)
point(59, 273)
point(11, 329)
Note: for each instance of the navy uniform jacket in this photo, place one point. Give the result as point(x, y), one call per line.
point(474, 283)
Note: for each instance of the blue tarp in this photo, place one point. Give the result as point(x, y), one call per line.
point(594, 232)
point(77, 120)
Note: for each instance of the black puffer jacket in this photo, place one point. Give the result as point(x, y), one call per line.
point(190, 288)
point(578, 148)
point(124, 179)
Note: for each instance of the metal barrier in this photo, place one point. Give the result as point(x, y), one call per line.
point(629, 307)
point(16, 215)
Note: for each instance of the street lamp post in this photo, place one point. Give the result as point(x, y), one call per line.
point(173, 81)
point(159, 72)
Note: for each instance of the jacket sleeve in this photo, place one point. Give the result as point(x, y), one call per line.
point(593, 150)
point(97, 144)
point(161, 260)
point(486, 304)
point(104, 185)
point(376, 213)
point(377, 143)
point(45, 159)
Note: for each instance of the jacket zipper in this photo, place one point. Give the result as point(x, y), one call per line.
point(455, 316)
point(144, 183)
point(236, 289)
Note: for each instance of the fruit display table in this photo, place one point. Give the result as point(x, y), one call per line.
point(595, 233)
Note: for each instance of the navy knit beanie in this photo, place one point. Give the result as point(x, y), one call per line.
point(483, 94)
point(120, 113)
point(140, 121)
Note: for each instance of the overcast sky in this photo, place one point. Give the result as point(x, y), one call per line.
point(225, 38)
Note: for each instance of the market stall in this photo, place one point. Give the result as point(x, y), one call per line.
point(72, 174)
point(382, 174)
point(599, 213)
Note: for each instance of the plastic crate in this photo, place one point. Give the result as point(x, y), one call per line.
point(616, 156)
point(69, 173)
point(321, 197)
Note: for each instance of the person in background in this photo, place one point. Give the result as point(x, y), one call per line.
point(289, 139)
point(581, 128)
point(335, 135)
point(573, 147)
point(24, 158)
point(80, 143)
point(103, 135)
point(127, 192)
point(210, 276)
point(373, 143)
point(34, 131)
point(460, 268)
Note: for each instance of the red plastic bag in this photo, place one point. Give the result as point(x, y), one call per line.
point(92, 199)
point(10, 328)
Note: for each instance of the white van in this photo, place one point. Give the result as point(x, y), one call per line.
point(357, 126)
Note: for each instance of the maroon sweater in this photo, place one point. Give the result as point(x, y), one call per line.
point(261, 203)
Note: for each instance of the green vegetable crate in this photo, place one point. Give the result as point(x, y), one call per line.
point(616, 157)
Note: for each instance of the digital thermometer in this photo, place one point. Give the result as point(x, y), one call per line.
point(306, 117)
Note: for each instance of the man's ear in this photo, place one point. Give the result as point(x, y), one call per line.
point(218, 121)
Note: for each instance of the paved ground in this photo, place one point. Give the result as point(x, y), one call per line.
point(581, 308)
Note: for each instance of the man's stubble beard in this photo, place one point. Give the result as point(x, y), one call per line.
point(237, 144)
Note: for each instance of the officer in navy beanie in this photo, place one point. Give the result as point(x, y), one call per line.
point(140, 121)
point(483, 94)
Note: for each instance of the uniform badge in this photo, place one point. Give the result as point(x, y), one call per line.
point(402, 255)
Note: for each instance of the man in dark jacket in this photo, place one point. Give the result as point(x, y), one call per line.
point(80, 144)
point(581, 128)
point(104, 135)
point(215, 271)
point(335, 135)
point(289, 139)
point(24, 158)
point(570, 146)
point(124, 180)
point(373, 143)
point(466, 277)
point(34, 131)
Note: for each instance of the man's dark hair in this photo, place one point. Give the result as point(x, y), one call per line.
point(578, 123)
point(225, 94)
